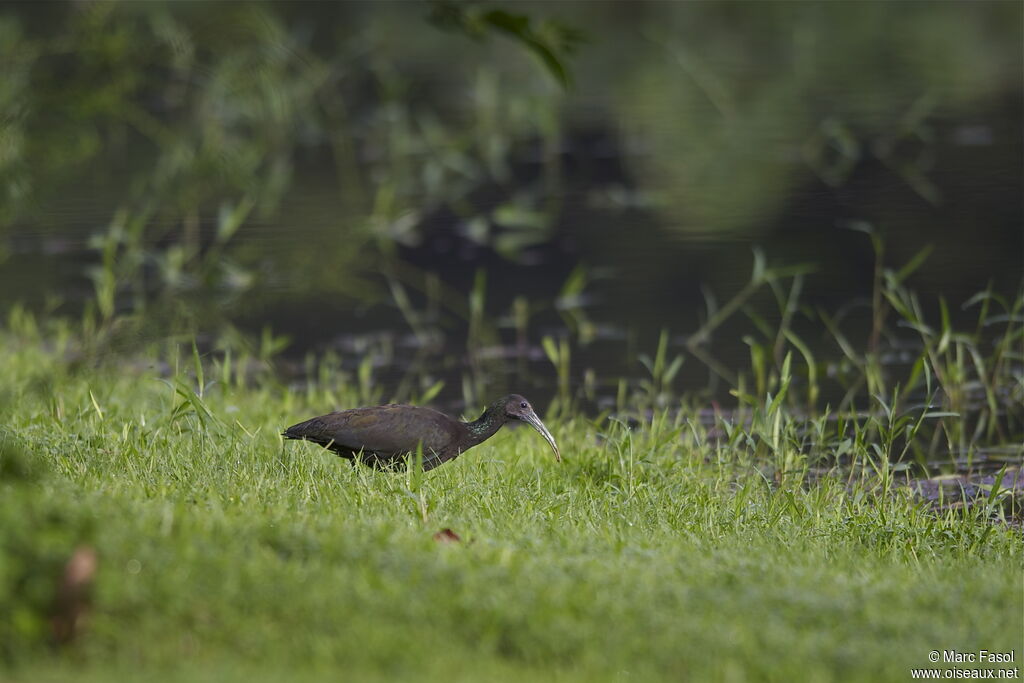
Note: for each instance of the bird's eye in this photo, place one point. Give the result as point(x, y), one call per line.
point(524, 405)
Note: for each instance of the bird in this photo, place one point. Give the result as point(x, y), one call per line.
point(387, 437)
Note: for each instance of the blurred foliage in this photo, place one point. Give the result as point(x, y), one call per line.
point(196, 104)
point(211, 155)
point(551, 41)
point(186, 121)
point(744, 98)
point(38, 538)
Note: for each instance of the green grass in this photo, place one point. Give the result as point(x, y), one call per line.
point(648, 554)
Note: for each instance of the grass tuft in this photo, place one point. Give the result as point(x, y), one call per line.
point(665, 547)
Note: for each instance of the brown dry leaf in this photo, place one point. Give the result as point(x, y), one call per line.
point(71, 605)
point(446, 535)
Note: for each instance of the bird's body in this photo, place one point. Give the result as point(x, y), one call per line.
point(385, 436)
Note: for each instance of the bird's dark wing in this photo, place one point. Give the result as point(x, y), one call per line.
point(384, 430)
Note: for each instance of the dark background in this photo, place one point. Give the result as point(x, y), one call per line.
point(596, 171)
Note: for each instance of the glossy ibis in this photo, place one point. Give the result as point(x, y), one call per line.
point(384, 436)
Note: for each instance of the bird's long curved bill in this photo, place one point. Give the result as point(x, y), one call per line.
point(535, 422)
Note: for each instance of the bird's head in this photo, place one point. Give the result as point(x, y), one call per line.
point(515, 407)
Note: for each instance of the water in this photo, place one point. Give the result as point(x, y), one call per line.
point(692, 136)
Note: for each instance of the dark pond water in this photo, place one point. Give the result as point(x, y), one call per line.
point(692, 136)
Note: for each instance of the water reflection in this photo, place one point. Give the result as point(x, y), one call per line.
point(285, 180)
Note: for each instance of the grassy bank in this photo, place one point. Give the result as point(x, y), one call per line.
point(649, 553)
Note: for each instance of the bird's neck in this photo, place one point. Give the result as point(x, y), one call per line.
point(485, 426)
